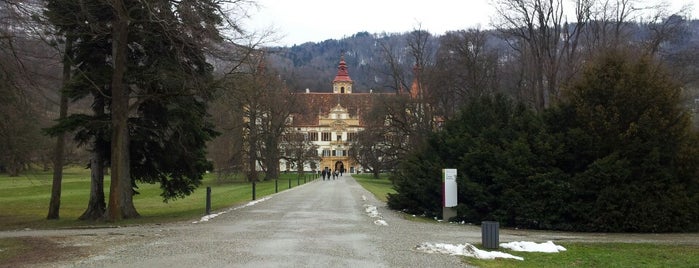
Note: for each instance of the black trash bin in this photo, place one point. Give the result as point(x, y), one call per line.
point(490, 234)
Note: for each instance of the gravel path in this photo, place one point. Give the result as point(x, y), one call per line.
point(319, 224)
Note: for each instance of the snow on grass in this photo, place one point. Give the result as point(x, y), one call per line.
point(469, 250)
point(381, 223)
point(373, 212)
point(211, 216)
point(466, 249)
point(547, 247)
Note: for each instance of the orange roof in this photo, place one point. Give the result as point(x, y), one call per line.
point(342, 74)
point(310, 105)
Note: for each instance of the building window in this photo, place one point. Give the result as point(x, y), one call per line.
point(339, 137)
point(334, 152)
point(313, 136)
point(342, 90)
point(326, 136)
point(352, 136)
point(326, 153)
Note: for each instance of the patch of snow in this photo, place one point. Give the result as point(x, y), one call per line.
point(381, 223)
point(548, 247)
point(466, 249)
point(251, 203)
point(371, 211)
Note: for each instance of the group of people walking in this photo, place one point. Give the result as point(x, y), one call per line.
point(327, 173)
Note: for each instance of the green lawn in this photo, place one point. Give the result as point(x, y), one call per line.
point(578, 254)
point(380, 187)
point(24, 200)
point(602, 255)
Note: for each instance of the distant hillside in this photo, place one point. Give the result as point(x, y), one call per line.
point(313, 65)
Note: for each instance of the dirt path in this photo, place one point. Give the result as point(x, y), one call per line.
point(323, 223)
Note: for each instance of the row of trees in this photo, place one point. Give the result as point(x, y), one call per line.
point(588, 131)
point(257, 109)
point(140, 77)
point(618, 153)
point(27, 70)
point(534, 52)
point(144, 67)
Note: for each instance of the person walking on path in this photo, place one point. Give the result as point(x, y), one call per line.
point(323, 173)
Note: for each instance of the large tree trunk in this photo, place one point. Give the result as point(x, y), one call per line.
point(55, 203)
point(252, 154)
point(120, 192)
point(272, 159)
point(96, 207)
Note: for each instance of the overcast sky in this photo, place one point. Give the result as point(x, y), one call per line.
point(300, 21)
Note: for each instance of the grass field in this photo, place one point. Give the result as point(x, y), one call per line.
point(578, 254)
point(602, 255)
point(24, 200)
point(380, 187)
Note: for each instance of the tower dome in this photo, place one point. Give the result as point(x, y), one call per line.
point(342, 84)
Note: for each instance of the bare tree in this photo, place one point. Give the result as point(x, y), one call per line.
point(374, 149)
point(406, 119)
point(466, 67)
point(545, 42)
point(299, 151)
point(265, 108)
point(28, 68)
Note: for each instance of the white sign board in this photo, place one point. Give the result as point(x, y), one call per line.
point(449, 191)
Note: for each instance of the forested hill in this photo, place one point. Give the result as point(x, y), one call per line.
point(314, 65)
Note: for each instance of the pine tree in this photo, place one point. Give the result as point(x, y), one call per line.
point(637, 150)
point(147, 69)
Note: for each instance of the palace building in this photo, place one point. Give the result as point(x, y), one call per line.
point(331, 121)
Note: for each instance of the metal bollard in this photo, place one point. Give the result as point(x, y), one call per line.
point(490, 234)
point(208, 200)
point(253, 190)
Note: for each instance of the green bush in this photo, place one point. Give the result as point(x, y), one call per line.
point(504, 162)
point(618, 154)
point(636, 166)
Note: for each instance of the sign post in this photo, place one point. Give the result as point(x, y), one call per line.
point(449, 193)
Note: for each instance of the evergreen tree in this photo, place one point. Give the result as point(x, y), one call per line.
point(164, 79)
point(505, 168)
point(637, 168)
